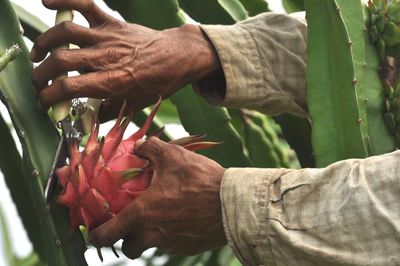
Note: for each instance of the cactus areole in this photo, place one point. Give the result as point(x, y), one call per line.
point(106, 176)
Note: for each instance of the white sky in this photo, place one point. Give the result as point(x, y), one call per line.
point(21, 243)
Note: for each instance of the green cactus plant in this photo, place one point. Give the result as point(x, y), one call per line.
point(383, 24)
point(348, 106)
point(55, 243)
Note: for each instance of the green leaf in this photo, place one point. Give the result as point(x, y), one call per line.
point(31, 260)
point(234, 8)
point(7, 244)
point(255, 7)
point(261, 147)
point(21, 192)
point(293, 5)
point(157, 14)
point(8, 252)
point(332, 95)
point(297, 132)
point(140, 118)
point(31, 24)
point(198, 117)
point(214, 11)
point(380, 140)
point(168, 114)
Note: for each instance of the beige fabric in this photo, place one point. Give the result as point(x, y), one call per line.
point(345, 214)
point(264, 62)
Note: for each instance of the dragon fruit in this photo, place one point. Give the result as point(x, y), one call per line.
point(107, 175)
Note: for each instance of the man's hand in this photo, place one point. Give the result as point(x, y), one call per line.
point(181, 211)
point(122, 60)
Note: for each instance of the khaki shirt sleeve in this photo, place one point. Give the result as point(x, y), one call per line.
point(264, 63)
point(344, 214)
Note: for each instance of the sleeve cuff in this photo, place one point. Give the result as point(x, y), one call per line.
point(241, 69)
point(244, 199)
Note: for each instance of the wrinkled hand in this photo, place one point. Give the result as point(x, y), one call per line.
point(123, 61)
point(181, 211)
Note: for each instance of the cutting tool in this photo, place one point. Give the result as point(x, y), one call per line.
point(70, 136)
point(71, 132)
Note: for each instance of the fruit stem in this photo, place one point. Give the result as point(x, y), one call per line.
point(61, 110)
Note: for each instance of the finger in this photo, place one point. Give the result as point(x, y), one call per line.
point(127, 221)
point(66, 32)
point(61, 61)
point(151, 149)
point(93, 85)
point(109, 110)
point(93, 14)
point(133, 247)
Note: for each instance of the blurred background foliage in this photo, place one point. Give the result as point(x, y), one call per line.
point(251, 139)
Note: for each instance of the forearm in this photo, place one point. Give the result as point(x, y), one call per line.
point(264, 63)
point(345, 214)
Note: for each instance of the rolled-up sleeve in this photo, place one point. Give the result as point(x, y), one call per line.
point(344, 214)
point(264, 64)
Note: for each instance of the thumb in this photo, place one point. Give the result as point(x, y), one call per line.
point(151, 149)
point(127, 221)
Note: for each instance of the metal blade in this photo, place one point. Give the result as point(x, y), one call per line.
point(59, 160)
point(70, 136)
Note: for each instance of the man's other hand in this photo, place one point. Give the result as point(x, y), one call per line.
point(180, 213)
point(122, 61)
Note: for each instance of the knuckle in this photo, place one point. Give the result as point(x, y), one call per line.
point(66, 87)
point(153, 140)
point(112, 54)
point(66, 26)
point(58, 56)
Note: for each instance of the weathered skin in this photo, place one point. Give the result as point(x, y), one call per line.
point(124, 61)
point(181, 211)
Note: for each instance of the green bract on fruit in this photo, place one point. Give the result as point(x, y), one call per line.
point(107, 175)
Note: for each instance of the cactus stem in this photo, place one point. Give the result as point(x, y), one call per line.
point(46, 209)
